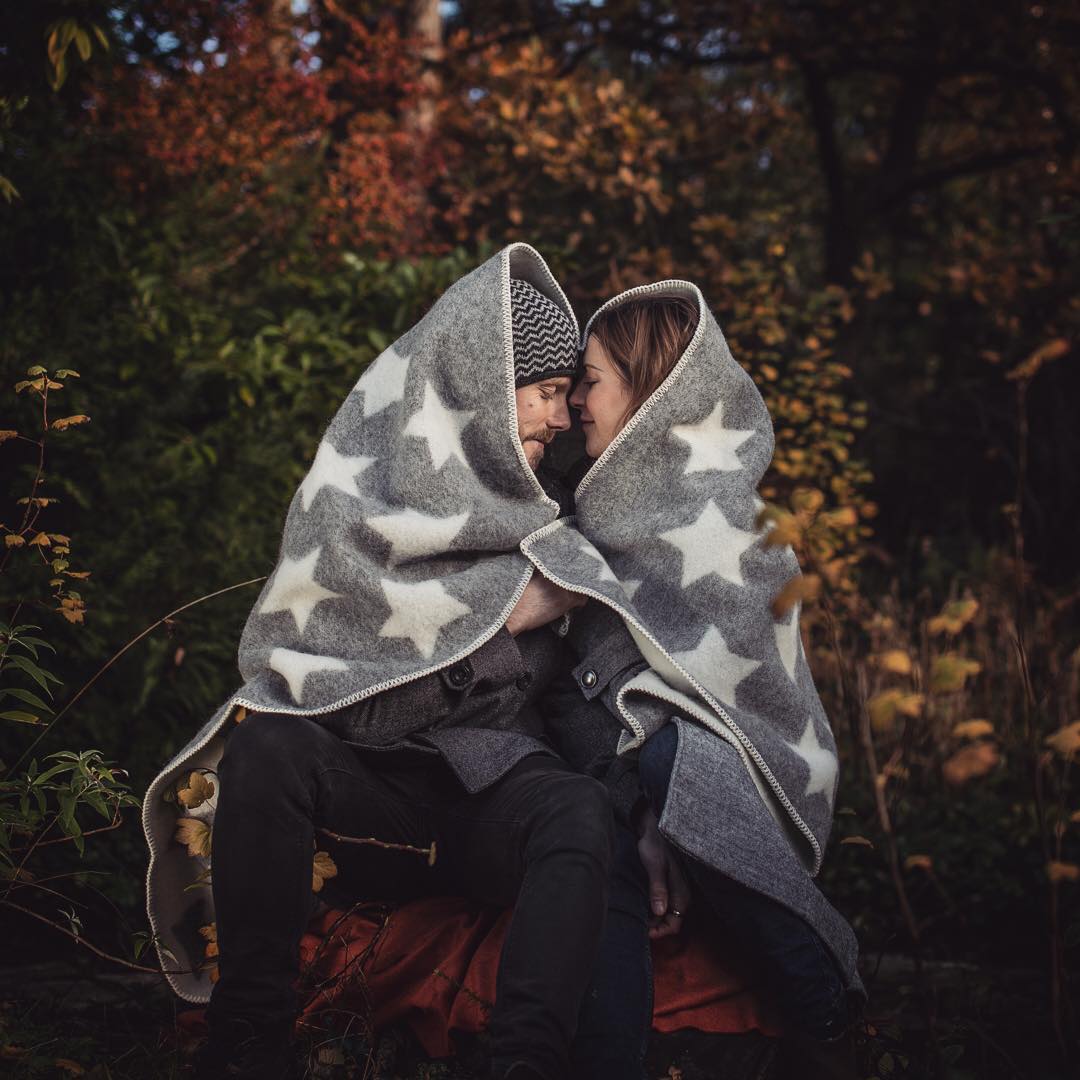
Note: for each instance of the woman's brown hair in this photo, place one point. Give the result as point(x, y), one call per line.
point(644, 340)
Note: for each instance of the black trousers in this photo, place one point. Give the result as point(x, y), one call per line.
point(540, 840)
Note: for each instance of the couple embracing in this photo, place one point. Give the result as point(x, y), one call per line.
point(574, 686)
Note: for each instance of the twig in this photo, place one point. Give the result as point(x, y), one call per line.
point(428, 852)
point(116, 822)
point(112, 660)
point(487, 1006)
point(885, 822)
point(82, 941)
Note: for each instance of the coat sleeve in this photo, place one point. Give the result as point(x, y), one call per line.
point(458, 695)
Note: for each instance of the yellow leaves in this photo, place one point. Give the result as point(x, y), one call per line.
point(211, 952)
point(785, 528)
point(66, 422)
point(7, 433)
point(1058, 872)
point(894, 661)
point(40, 540)
point(72, 608)
point(322, 868)
point(970, 763)
point(1050, 350)
point(808, 500)
point(950, 671)
point(973, 729)
point(799, 588)
point(886, 706)
point(919, 862)
point(14, 540)
point(842, 517)
point(953, 618)
point(1065, 741)
point(195, 835)
point(197, 790)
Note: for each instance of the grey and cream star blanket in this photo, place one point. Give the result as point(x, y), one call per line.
point(418, 527)
point(400, 553)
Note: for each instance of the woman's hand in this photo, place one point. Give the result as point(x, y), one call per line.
point(541, 602)
point(669, 891)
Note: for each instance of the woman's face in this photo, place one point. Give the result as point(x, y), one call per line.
point(601, 396)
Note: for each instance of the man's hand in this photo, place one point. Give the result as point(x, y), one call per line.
point(541, 602)
point(669, 891)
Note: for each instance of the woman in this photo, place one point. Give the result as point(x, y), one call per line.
point(736, 767)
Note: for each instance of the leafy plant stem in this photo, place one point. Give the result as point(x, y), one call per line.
point(116, 656)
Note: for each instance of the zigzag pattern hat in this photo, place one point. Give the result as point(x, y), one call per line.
point(545, 341)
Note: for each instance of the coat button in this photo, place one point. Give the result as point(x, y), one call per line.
point(459, 674)
point(588, 679)
point(522, 681)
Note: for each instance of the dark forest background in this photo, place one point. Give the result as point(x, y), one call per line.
point(214, 214)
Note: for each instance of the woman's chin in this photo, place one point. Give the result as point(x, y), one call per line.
point(594, 446)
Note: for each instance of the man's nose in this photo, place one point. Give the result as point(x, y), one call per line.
point(577, 395)
point(559, 420)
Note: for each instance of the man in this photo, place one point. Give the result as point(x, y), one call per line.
point(380, 704)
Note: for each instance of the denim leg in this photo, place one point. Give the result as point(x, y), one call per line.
point(280, 776)
point(798, 971)
point(550, 949)
point(616, 1015)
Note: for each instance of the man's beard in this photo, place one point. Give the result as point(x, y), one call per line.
point(542, 435)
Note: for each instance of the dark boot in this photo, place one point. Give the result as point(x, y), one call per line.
point(239, 1049)
point(802, 1058)
point(520, 1071)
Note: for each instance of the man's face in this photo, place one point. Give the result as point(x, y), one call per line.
point(542, 414)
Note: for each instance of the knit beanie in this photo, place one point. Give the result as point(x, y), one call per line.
point(545, 341)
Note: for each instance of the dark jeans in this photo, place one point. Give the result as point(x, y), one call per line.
point(616, 1015)
point(540, 840)
point(796, 969)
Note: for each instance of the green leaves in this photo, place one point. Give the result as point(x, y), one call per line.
point(12, 638)
point(39, 801)
point(38, 674)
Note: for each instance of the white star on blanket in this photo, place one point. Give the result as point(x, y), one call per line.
point(331, 469)
point(715, 666)
point(297, 666)
point(819, 761)
point(413, 534)
point(440, 426)
point(710, 545)
point(712, 446)
point(787, 641)
point(419, 611)
point(294, 589)
point(384, 381)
